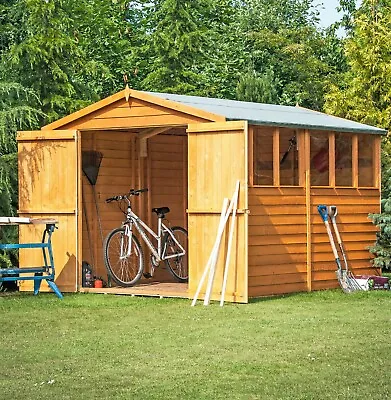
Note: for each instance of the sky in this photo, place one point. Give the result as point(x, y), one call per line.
point(328, 12)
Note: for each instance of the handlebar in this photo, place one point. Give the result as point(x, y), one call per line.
point(132, 192)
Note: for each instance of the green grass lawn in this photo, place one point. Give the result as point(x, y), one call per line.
point(324, 345)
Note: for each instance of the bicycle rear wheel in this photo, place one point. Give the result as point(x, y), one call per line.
point(178, 266)
point(125, 267)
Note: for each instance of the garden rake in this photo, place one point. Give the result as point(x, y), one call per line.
point(91, 161)
point(346, 282)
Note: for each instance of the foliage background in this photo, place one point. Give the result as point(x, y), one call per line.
point(58, 56)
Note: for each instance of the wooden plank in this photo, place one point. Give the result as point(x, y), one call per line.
point(300, 143)
point(327, 256)
point(355, 161)
point(278, 249)
point(332, 159)
point(148, 133)
point(48, 135)
point(276, 157)
point(281, 280)
point(277, 269)
point(184, 181)
point(251, 155)
point(217, 127)
point(307, 166)
point(342, 192)
point(377, 162)
point(272, 290)
point(266, 230)
point(278, 210)
point(281, 200)
point(154, 289)
point(277, 239)
point(268, 261)
point(276, 191)
point(134, 122)
point(276, 220)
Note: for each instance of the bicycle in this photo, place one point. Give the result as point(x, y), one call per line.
point(123, 254)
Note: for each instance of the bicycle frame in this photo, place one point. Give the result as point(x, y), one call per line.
point(158, 252)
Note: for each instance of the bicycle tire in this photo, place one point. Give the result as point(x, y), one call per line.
point(128, 271)
point(178, 266)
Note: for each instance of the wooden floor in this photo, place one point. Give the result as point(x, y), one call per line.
point(154, 289)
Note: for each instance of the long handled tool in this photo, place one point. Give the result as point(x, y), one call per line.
point(347, 275)
point(91, 161)
point(322, 209)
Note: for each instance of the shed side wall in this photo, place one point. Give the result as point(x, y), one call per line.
point(356, 229)
point(277, 241)
point(278, 237)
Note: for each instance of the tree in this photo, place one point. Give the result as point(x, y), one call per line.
point(175, 36)
point(283, 36)
point(106, 32)
point(18, 110)
point(48, 60)
point(364, 95)
point(258, 88)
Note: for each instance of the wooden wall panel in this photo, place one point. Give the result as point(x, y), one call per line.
point(118, 174)
point(163, 172)
point(277, 241)
point(277, 237)
point(356, 229)
point(168, 183)
point(168, 155)
point(132, 114)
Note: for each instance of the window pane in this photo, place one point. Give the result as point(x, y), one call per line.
point(343, 159)
point(365, 160)
point(319, 153)
point(263, 156)
point(289, 161)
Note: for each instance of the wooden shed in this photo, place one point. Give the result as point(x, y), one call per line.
point(189, 152)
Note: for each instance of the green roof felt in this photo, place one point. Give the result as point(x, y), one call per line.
point(271, 115)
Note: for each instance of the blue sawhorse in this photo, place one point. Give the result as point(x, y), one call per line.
point(36, 274)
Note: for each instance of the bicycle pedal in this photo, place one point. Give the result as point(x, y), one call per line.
point(147, 275)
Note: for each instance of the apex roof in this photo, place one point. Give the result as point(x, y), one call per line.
point(220, 109)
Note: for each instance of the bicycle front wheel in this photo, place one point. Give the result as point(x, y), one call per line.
point(124, 261)
point(178, 265)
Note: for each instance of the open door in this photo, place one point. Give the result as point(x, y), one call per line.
point(49, 187)
point(217, 159)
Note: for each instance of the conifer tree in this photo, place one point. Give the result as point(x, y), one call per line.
point(175, 40)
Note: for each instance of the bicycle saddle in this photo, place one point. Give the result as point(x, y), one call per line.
point(161, 211)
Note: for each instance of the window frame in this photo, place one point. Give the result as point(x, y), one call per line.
point(303, 143)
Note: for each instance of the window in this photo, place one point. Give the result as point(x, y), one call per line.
point(275, 157)
point(319, 156)
point(365, 160)
point(289, 161)
point(263, 156)
point(343, 159)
